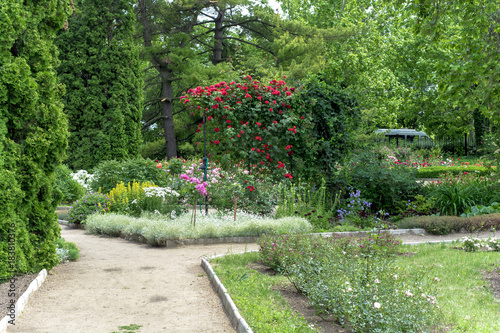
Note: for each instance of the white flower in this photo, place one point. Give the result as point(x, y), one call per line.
point(395, 276)
point(408, 293)
point(377, 281)
point(376, 305)
point(437, 279)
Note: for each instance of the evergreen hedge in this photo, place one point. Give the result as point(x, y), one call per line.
point(100, 67)
point(33, 134)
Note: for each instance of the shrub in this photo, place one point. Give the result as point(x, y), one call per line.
point(33, 134)
point(454, 195)
point(156, 229)
point(67, 250)
point(382, 186)
point(69, 187)
point(92, 203)
point(442, 225)
point(302, 199)
point(109, 173)
point(438, 171)
point(356, 281)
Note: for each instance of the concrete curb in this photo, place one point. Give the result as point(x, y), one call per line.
point(23, 300)
point(232, 312)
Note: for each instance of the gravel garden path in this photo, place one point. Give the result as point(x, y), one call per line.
point(118, 283)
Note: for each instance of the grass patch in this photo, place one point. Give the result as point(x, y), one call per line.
point(464, 297)
point(157, 229)
point(264, 309)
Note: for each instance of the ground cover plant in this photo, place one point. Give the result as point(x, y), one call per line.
point(156, 229)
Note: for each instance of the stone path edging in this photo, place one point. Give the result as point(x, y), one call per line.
point(23, 300)
point(230, 308)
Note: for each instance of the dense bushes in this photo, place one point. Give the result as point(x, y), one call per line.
point(437, 171)
point(92, 203)
point(384, 187)
point(356, 281)
point(109, 173)
point(33, 134)
point(442, 225)
point(69, 188)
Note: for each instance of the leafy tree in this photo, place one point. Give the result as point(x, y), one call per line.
point(193, 42)
point(101, 70)
point(33, 134)
point(469, 33)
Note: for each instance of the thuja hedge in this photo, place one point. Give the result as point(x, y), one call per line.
point(33, 134)
point(442, 225)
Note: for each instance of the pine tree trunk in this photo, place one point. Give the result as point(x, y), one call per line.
point(168, 119)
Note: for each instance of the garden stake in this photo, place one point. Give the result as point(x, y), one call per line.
point(235, 204)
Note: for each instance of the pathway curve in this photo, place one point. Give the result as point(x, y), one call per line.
point(116, 283)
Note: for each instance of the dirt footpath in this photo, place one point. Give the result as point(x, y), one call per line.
point(117, 283)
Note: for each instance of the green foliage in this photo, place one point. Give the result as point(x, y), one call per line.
point(333, 116)
point(33, 134)
point(382, 186)
point(355, 280)
point(154, 150)
point(100, 68)
point(67, 250)
point(91, 203)
point(475, 244)
point(482, 210)
point(299, 200)
point(442, 225)
point(156, 229)
point(438, 171)
point(109, 173)
point(454, 196)
point(70, 189)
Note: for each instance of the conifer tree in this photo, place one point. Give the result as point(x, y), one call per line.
point(100, 68)
point(33, 134)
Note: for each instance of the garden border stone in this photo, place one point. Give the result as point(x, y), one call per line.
point(230, 308)
point(23, 300)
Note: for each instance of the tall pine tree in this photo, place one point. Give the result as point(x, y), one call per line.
point(100, 68)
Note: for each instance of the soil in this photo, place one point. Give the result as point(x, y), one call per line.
point(117, 282)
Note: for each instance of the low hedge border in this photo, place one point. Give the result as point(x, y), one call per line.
point(436, 171)
point(443, 225)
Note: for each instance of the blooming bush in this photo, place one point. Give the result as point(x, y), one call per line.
point(251, 122)
point(472, 244)
point(356, 281)
point(91, 203)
